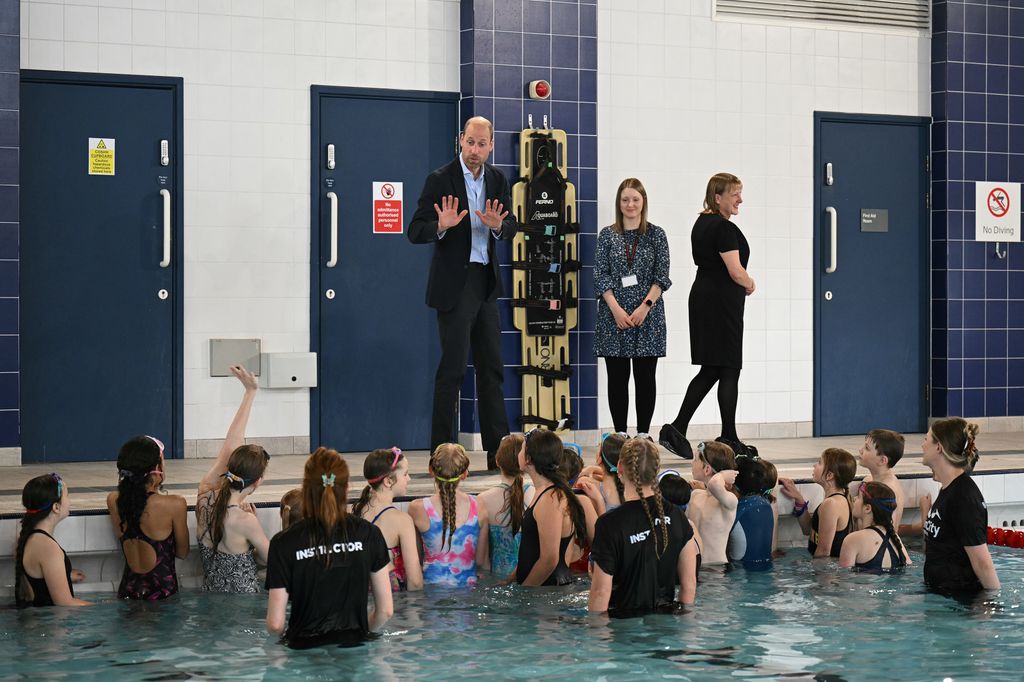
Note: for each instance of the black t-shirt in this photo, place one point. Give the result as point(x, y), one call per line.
point(958, 519)
point(326, 599)
point(624, 548)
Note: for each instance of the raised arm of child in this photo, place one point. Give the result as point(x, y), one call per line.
point(236, 431)
point(718, 486)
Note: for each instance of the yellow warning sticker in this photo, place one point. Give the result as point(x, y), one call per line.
point(101, 155)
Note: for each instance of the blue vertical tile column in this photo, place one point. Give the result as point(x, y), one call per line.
point(9, 216)
point(505, 44)
point(977, 135)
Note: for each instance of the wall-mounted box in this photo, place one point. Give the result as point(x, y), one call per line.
point(288, 370)
point(224, 353)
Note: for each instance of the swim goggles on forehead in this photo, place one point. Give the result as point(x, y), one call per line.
point(575, 447)
point(60, 493)
point(394, 463)
point(668, 472)
point(887, 501)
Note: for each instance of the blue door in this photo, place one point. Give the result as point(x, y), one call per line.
point(100, 293)
point(871, 264)
point(376, 338)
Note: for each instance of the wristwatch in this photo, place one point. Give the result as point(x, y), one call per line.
point(648, 302)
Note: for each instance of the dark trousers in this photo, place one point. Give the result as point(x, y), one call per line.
point(644, 370)
point(472, 323)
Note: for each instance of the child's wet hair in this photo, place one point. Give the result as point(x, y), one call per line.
point(448, 463)
point(889, 443)
point(675, 489)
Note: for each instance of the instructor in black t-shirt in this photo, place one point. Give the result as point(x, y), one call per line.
point(643, 548)
point(956, 557)
point(326, 564)
point(462, 211)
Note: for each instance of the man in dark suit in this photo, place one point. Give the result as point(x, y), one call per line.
point(463, 209)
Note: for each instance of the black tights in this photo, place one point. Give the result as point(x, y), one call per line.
point(728, 379)
point(618, 391)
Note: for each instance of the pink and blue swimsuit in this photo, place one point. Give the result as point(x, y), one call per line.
point(454, 564)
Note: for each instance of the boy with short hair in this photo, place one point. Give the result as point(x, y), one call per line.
point(881, 451)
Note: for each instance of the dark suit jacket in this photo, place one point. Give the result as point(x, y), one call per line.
point(451, 254)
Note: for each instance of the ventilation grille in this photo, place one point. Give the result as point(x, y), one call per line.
point(904, 14)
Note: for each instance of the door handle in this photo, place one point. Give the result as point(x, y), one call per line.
point(167, 228)
point(834, 234)
point(334, 229)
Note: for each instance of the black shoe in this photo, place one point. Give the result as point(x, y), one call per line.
point(675, 442)
point(492, 464)
point(739, 448)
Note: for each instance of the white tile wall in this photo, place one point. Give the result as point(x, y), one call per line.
point(681, 97)
point(247, 67)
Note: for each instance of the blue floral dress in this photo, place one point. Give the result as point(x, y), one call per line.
point(650, 264)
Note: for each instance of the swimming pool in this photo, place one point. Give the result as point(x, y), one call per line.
point(801, 620)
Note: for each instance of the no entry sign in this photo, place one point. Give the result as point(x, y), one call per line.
point(387, 208)
point(997, 212)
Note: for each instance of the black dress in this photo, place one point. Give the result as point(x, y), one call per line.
point(716, 301)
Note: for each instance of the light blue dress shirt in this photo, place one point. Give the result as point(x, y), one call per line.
point(477, 195)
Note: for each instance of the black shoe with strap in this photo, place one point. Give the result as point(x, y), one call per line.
point(740, 448)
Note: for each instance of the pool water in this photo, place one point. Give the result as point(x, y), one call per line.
point(803, 620)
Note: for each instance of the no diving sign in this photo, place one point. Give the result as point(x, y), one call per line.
point(387, 208)
point(997, 212)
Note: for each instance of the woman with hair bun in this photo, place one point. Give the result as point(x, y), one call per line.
point(42, 570)
point(151, 527)
point(326, 565)
point(956, 557)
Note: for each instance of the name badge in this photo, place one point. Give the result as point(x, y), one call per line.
point(629, 281)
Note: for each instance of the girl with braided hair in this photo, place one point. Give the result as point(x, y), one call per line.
point(554, 518)
point(326, 565)
point(876, 547)
point(601, 483)
point(151, 527)
point(387, 475)
point(42, 571)
point(643, 548)
point(454, 540)
point(956, 557)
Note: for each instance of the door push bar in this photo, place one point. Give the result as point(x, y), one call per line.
point(167, 228)
point(834, 252)
point(334, 229)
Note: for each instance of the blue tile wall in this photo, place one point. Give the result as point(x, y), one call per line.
point(10, 65)
point(506, 44)
point(977, 135)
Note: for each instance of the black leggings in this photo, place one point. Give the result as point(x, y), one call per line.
point(728, 379)
point(618, 391)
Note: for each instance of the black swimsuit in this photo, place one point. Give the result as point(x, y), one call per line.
point(837, 539)
point(40, 592)
point(529, 550)
point(896, 560)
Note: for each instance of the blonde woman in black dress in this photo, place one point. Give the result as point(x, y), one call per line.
point(716, 304)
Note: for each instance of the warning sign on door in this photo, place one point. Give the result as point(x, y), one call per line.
point(101, 156)
point(387, 208)
point(997, 212)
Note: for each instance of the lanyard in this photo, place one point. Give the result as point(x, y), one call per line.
point(631, 253)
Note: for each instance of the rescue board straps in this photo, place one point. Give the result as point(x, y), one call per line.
point(566, 266)
point(545, 303)
point(544, 372)
point(549, 229)
point(566, 422)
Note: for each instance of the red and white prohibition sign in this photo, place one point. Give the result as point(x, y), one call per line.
point(998, 202)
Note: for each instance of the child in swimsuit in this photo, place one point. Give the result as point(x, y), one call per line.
point(876, 547)
point(151, 527)
point(601, 483)
point(750, 541)
point(510, 498)
point(553, 519)
point(387, 475)
point(677, 490)
point(230, 536)
point(832, 521)
point(42, 571)
point(451, 523)
point(712, 508)
point(291, 508)
point(576, 556)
